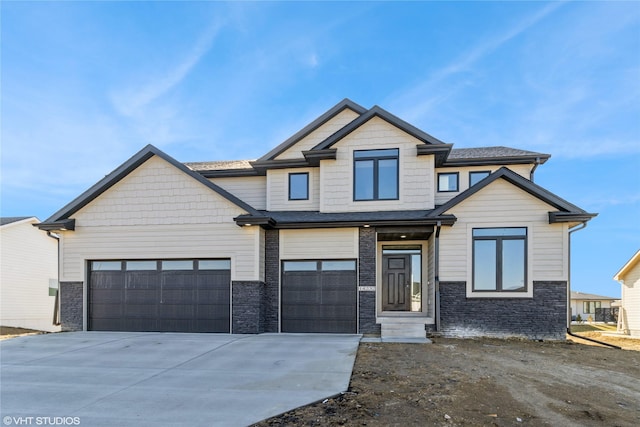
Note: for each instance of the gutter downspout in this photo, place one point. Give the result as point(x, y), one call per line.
point(436, 273)
point(56, 304)
point(533, 169)
point(580, 226)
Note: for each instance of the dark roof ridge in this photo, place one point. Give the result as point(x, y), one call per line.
point(315, 124)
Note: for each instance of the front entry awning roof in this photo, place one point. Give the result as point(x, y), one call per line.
point(314, 219)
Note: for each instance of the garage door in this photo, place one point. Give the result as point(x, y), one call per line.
point(159, 295)
point(319, 296)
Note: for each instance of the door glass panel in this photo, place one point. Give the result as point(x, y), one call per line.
point(142, 265)
point(214, 264)
point(106, 265)
point(416, 282)
point(513, 262)
point(177, 265)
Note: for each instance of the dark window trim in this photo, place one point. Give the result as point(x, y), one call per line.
point(499, 240)
point(375, 159)
point(488, 172)
point(457, 174)
point(289, 181)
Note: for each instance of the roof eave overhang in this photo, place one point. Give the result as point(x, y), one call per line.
point(63, 225)
point(557, 217)
point(487, 161)
point(440, 151)
point(313, 157)
point(261, 166)
point(268, 222)
point(228, 173)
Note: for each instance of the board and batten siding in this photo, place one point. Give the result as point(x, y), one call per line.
point(463, 178)
point(278, 190)
point(28, 268)
point(335, 243)
point(502, 204)
point(250, 189)
point(320, 134)
point(415, 172)
point(156, 212)
point(631, 299)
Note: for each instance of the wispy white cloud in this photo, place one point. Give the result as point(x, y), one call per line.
point(419, 99)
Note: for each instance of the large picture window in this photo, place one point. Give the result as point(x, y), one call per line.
point(375, 174)
point(500, 259)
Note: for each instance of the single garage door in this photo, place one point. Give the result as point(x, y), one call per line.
point(159, 295)
point(319, 296)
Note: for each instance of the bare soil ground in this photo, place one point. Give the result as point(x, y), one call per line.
point(7, 332)
point(482, 383)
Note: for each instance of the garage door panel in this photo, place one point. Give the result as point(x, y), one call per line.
point(319, 301)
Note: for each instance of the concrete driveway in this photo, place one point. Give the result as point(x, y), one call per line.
point(166, 379)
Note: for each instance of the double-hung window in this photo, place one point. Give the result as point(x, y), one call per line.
point(500, 259)
point(375, 174)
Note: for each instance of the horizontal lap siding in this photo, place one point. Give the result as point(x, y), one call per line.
point(319, 243)
point(415, 172)
point(308, 142)
point(156, 212)
point(631, 299)
point(496, 205)
point(278, 189)
point(249, 189)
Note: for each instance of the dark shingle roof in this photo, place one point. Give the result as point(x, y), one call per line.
point(219, 165)
point(491, 152)
point(10, 219)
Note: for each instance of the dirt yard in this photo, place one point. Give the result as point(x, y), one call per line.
point(482, 383)
point(7, 332)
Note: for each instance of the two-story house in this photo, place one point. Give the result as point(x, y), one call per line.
point(358, 223)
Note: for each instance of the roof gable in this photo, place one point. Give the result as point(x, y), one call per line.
point(567, 212)
point(627, 267)
point(311, 127)
point(61, 219)
point(8, 220)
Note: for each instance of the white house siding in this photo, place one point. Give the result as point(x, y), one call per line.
point(577, 308)
point(415, 172)
point(631, 299)
point(249, 189)
point(501, 204)
point(337, 243)
point(157, 212)
point(28, 267)
point(278, 190)
point(327, 129)
point(463, 178)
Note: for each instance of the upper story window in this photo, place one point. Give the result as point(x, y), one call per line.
point(448, 182)
point(299, 186)
point(375, 174)
point(500, 259)
point(477, 176)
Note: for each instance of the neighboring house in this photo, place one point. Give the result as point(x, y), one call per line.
point(591, 306)
point(629, 278)
point(28, 275)
point(358, 223)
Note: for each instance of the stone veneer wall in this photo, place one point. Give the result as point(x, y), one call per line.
point(272, 279)
point(542, 317)
point(248, 312)
point(367, 277)
point(71, 306)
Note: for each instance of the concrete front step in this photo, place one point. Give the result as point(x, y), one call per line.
point(399, 329)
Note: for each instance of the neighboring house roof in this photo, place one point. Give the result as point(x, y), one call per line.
point(61, 219)
point(591, 297)
point(627, 267)
point(313, 219)
point(6, 220)
point(567, 212)
point(498, 155)
point(224, 168)
point(324, 118)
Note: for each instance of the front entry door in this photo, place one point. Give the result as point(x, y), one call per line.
point(396, 282)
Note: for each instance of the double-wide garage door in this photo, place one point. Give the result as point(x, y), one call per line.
point(319, 296)
point(160, 295)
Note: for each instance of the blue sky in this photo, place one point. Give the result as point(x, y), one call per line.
point(85, 85)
